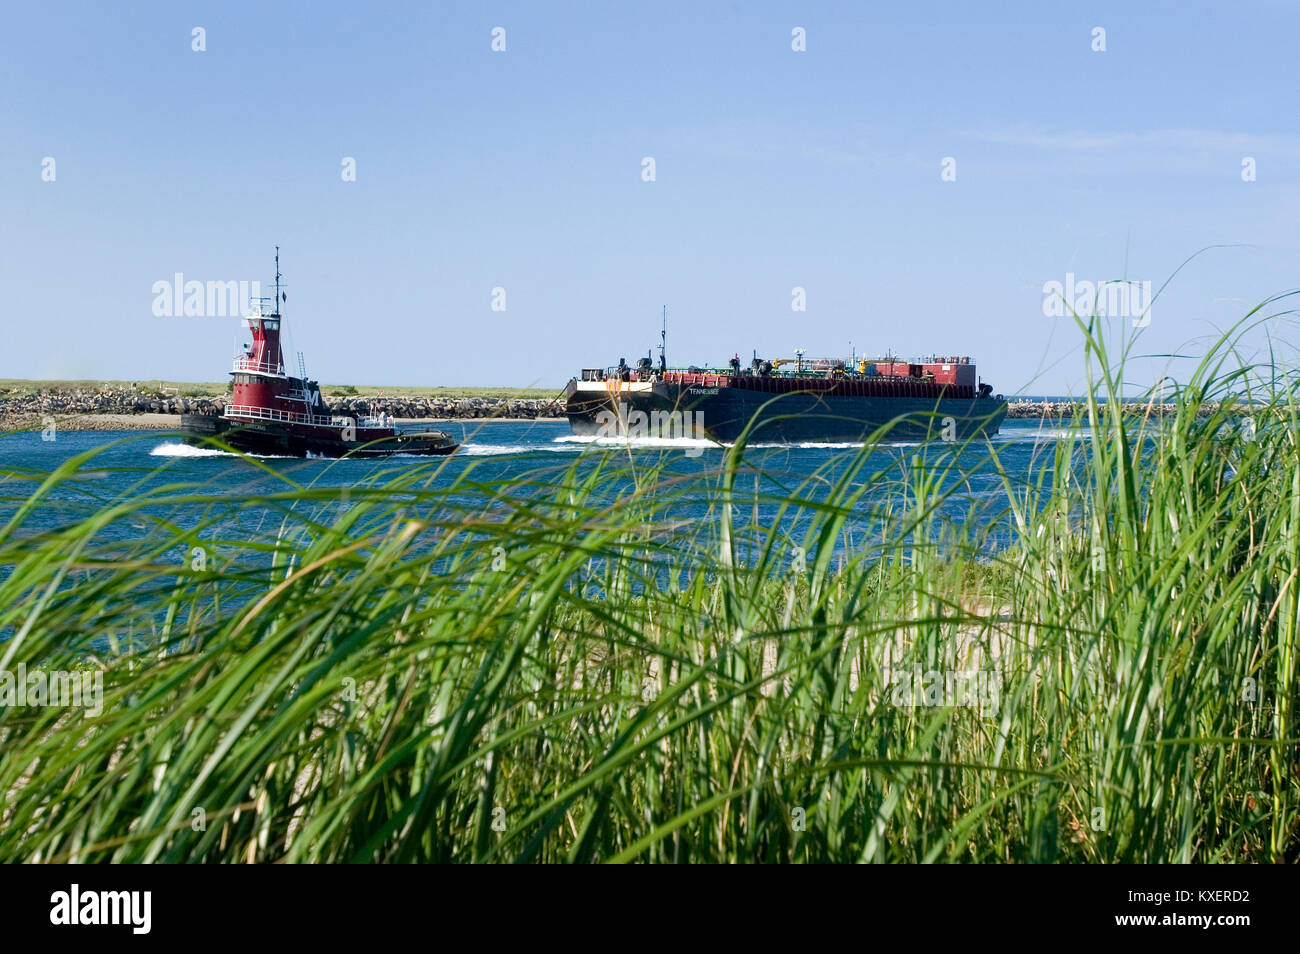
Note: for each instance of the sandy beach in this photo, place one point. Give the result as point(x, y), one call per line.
point(92, 422)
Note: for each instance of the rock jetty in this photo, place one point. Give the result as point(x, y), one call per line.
point(132, 408)
point(451, 409)
point(1065, 410)
point(125, 407)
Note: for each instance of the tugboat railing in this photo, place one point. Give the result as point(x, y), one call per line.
point(293, 417)
point(266, 367)
point(271, 414)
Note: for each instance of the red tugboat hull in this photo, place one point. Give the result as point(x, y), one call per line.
point(286, 439)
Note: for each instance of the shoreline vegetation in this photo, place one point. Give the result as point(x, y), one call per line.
point(157, 405)
point(608, 660)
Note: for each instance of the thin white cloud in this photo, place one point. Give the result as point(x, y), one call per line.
point(1178, 141)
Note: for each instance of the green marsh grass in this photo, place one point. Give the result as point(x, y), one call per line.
point(615, 660)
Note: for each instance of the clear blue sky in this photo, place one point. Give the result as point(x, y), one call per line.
point(522, 169)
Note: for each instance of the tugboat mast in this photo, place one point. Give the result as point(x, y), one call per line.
point(663, 340)
point(276, 310)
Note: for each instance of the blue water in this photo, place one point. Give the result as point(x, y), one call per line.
point(131, 463)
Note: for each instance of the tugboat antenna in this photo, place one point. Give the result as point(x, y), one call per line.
point(277, 280)
point(663, 340)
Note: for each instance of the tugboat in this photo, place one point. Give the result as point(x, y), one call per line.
point(274, 413)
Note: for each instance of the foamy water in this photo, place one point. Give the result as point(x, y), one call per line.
point(174, 449)
point(620, 441)
point(1045, 434)
point(574, 444)
point(187, 450)
point(494, 450)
